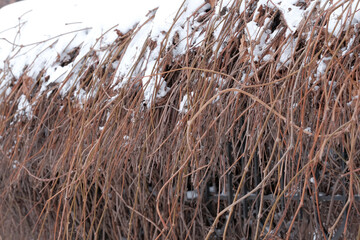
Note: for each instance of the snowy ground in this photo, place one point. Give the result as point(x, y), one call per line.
point(36, 34)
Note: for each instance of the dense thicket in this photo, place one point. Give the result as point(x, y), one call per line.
point(239, 147)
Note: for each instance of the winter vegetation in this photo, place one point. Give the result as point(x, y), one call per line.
point(181, 119)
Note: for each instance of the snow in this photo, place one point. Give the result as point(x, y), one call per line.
point(352, 99)
point(36, 25)
point(344, 13)
point(37, 35)
point(185, 103)
point(24, 107)
point(292, 14)
point(312, 180)
point(162, 30)
point(212, 189)
point(190, 195)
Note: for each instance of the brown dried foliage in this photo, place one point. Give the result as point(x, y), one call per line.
point(114, 168)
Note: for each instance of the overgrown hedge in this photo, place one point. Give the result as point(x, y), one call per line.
point(239, 147)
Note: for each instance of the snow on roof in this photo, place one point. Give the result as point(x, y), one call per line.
point(35, 34)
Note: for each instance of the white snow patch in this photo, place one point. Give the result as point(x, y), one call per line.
point(24, 107)
point(191, 195)
point(312, 180)
point(343, 14)
point(184, 104)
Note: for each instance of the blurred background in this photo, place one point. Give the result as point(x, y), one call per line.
point(6, 2)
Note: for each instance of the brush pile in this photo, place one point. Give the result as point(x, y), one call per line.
point(237, 122)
